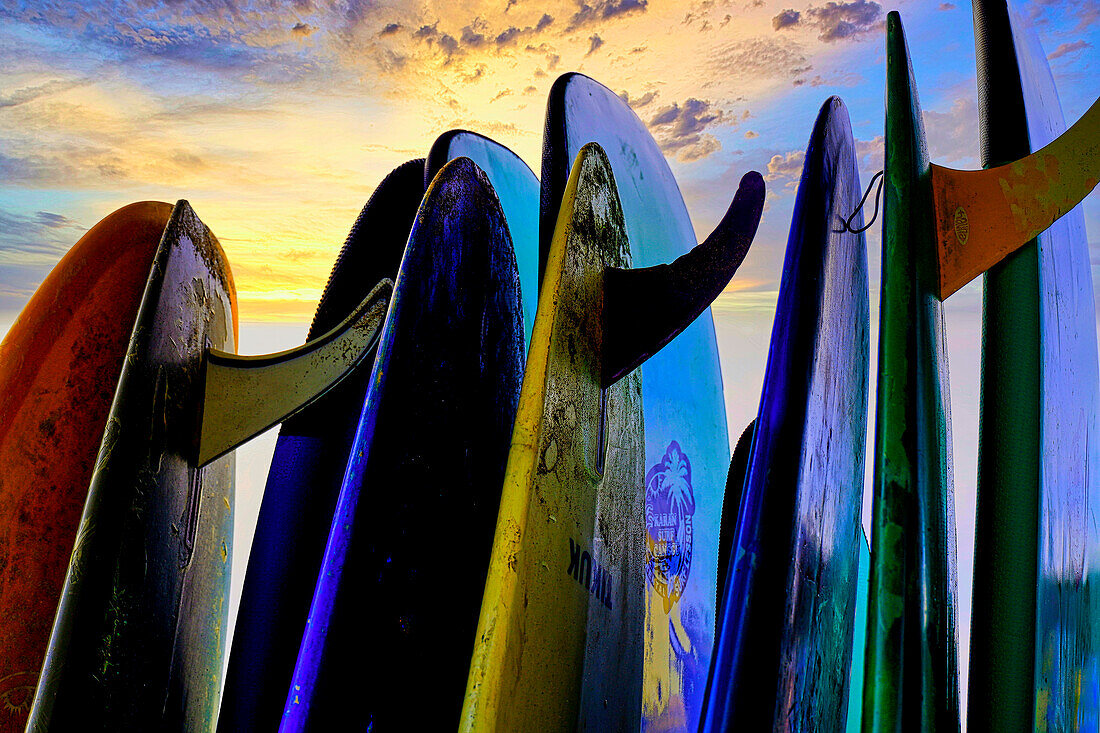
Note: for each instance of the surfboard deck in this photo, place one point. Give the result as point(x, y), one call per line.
point(686, 440)
point(911, 673)
point(306, 472)
point(787, 615)
point(59, 366)
point(558, 642)
point(1034, 647)
point(137, 641)
point(395, 606)
point(517, 188)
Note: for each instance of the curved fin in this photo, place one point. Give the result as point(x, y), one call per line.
point(645, 308)
point(984, 216)
point(245, 395)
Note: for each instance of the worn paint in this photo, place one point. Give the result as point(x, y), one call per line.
point(59, 366)
point(911, 669)
point(683, 396)
point(136, 641)
point(983, 216)
point(245, 395)
point(787, 616)
point(548, 655)
point(517, 188)
point(306, 472)
point(429, 456)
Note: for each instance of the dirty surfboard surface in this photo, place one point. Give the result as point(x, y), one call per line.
point(138, 640)
point(787, 616)
point(59, 366)
point(1035, 643)
point(517, 188)
point(686, 441)
point(911, 672)
point(558, 642)
point(425, 470)
point(306, 472)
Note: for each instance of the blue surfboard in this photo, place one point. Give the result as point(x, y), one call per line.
point(686, 442)
point(783, 653)
point(516, 187)
point(1035, 639)
point(305, 475)
point(394, 612)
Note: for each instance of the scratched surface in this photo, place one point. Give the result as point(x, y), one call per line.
point(393, 614)
point(559, 638)
point(517, 188)
point(686, 442)
point(59, 366)
point(787, 615)
point(1037, 545)
point(306, 472)
point(911, 669)
point(139, 636)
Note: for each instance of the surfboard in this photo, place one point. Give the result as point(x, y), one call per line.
point(686, 440)
point(911, 672)
point(516, 187)
point(306, 472)
point(783, 654)
point(561, 619)
point(1035, 648)
point(388, 619)
point(59, 365)
point(138, 638)
point(560, 635)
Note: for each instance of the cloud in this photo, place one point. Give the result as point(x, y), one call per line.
point(760, 58)
point(637, 102)
point(947, 6)
point(471, 35)
point(786, 168)
point(871, 154)
point(681, 130)
point(604, 10)
point(35, 240)
point(390, 29)
point(834, 21)
point(1068, 48)
point(594, 43)
point(786, 19)
point(29, 94)
point(749, 134)
point(838, 21)
point(302, 30)
point(953, 135)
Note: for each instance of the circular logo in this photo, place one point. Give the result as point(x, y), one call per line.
point(962, 226)
point(669, 507)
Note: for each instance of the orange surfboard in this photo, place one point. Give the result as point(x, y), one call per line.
point(59, 366)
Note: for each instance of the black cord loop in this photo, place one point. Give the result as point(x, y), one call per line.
point(847, 223)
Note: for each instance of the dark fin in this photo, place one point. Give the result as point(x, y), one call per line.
point(731, 506)
point(645, 308)
point(372, 252)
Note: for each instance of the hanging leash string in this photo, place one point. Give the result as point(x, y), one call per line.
point(848, 222)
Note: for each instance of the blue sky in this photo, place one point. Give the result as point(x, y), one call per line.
point(276, 120)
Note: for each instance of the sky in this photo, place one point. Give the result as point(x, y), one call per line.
point(276, 121)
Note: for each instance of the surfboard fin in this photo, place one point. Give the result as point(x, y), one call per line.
point(245, 395)
point(646, 307)
point(984, 216)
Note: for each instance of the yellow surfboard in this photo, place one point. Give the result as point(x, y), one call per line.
point(559, 639)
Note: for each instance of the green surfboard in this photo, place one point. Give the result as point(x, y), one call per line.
point(911, 674)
